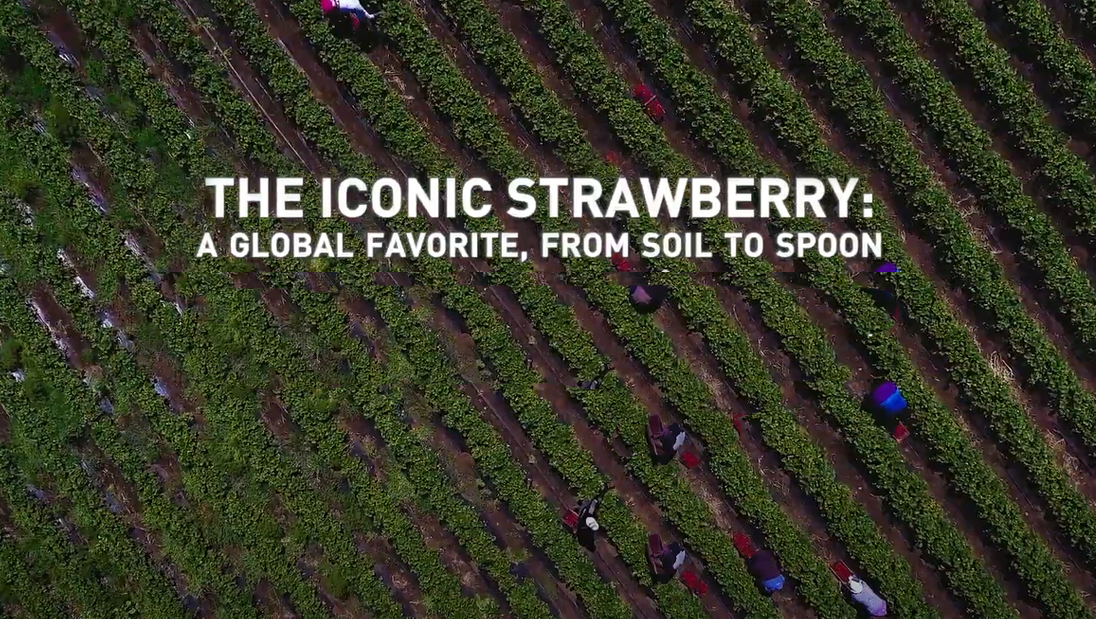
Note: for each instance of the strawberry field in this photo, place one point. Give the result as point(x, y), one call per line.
point(235, 439)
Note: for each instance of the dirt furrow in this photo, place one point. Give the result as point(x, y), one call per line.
point(936, 50)
point(357, 128)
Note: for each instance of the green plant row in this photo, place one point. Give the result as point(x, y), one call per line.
point(483, 549)
point(970, 263)
point(546, 529)
point(827, 580)
point(943, 433)
point(40, 446)
point(990, 396)
point(494, 319)
point(25, 584)
point(1064, 176)
point(48, 555)
point(1069, 72)
point(573, 154)
point(367, 586)
point(638, 562)
point(479, 28)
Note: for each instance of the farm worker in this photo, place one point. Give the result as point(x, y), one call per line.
point(646, 298)
point(665, 442)
point(588, 526)
point(863, 595)
point(673, 557)
point(586, 511)
point(885, 299)
point(888, 400)
point(764, 568)
point(353, 8)
point(672, 438)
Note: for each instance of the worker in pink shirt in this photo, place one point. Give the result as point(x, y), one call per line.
point(352, 8)
point(647, 298)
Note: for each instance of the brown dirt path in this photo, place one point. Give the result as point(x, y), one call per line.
point(699, 55)
point(328, 93)
point(358, 128)
point(165, 367)
point(848, 150)
point(982, 227)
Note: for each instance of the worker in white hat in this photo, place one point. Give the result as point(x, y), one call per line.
point(588, 525)
point(863, 595)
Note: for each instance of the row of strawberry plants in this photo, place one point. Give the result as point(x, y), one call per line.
point(1070, 73)
point(39, 436)
point(239, 512)
point(1018, 433)
point(942, 432)
point(367, 586)
point(179, 536)
point(496, 323)
point(243, 515)
point(932, 421)
point(469, 529)
point(1063, 175)
point(972, 148)
point(636, 553)
point(55, 560)
point(478, 29)
point(25, 585)
point(562, 137)
point(674, 60)
point(597, 594)
point(821, 571)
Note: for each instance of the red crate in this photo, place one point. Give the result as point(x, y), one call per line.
point(842, 571)
point(901, 432)
point(690, 459)
point(744, 545)
point(694, 583)
point(571, 519)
